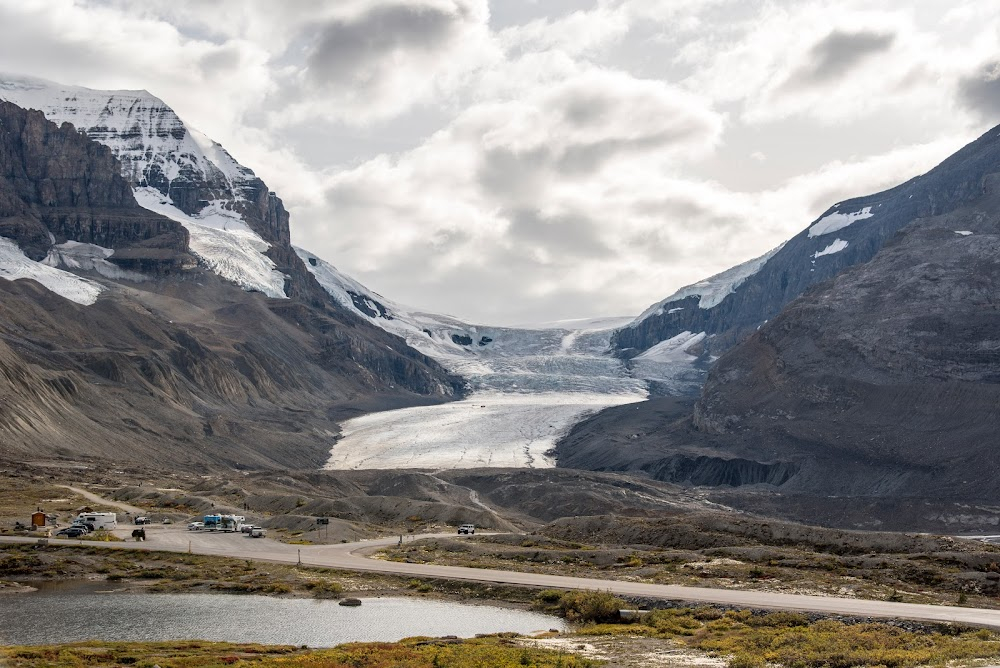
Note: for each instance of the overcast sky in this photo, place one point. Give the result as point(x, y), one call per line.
point(533, 160)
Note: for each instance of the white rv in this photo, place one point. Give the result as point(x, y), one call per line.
point(95, 521)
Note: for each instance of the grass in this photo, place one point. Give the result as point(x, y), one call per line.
point(791, 640)
point(497, 651)
point(964, 573)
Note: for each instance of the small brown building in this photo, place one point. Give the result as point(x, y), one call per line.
point(38, 519)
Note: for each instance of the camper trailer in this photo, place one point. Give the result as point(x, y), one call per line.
point(230, 523)
point(97, 521)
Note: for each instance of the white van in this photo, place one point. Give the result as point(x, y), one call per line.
point(96, 521)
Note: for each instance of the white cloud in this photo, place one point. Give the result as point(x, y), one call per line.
point(569, 164)
point(373, 60)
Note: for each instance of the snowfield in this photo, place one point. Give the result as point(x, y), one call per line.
point(15, 265)
point(837, 246)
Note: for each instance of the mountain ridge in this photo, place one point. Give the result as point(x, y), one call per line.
point(811, 257)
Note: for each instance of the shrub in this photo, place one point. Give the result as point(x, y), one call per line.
point(590, 606)
point(550, 596)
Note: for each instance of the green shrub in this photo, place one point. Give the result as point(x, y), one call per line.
point(590, 606)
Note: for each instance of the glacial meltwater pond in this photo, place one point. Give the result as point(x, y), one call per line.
point(75, 613)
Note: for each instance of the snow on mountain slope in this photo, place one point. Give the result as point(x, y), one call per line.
point(151, 141)
point(170, 166)
point(711, 291)
point(15, 265)
point(837, 221)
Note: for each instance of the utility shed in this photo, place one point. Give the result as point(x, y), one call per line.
point(38, 519)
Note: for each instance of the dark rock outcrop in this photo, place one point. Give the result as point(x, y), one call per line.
point(57, 184)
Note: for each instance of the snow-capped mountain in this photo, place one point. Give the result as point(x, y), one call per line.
point(176, 171)
point(730, 306)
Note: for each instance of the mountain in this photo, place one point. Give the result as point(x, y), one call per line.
point(871, 399)
point(196, 337)
point(732, 305)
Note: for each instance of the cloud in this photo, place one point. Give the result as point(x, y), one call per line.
point(980, 92)
point(838, 53)
point(373, 60)
point(585, 158)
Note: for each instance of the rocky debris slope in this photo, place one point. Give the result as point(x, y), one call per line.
point(871, 400)
point(887, 379)
point(731, 306)
point(190, 375)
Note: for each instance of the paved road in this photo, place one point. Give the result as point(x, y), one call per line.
point(350, 556)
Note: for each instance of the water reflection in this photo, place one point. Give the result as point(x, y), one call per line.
point(71, 614)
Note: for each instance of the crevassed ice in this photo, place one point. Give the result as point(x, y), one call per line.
point(224, 242)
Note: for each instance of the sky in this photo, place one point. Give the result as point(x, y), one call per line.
point(525, 161)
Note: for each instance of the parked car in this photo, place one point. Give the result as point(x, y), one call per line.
point(196, 526)
point(72, 532)
point(143, 520)
point(257, 532)
point(467, 529)
point(167, 520)
point(247, 528)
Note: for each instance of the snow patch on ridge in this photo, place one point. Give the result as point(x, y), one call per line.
point(674, 349)
point(837, 246)
point(838, 221)
point(223, 241)
point(713, 290)
point(15, 265)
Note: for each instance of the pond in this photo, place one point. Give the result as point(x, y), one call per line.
point(75, 613)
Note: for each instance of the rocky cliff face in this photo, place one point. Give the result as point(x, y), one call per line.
point(733, 305)
point(179, 172)
point(56, 185)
